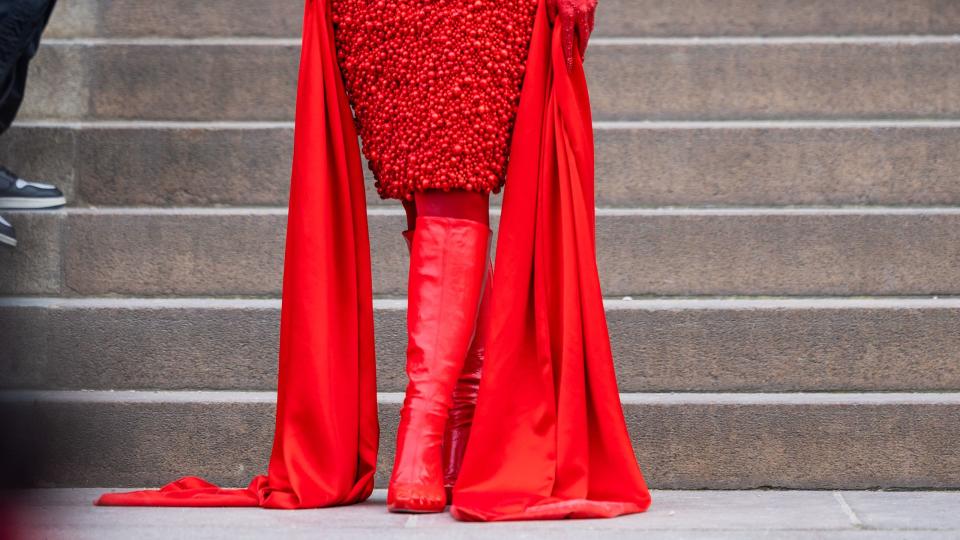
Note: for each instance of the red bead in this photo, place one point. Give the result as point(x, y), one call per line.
point(434, 88)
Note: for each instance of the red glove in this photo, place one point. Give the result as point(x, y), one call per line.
point(575, 16)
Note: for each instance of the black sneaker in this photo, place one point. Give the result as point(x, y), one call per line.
point(7, 234)
point(15, 192)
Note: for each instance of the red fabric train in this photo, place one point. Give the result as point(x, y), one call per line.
point(559, 448)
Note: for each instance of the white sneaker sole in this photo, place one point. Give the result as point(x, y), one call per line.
point(8, 240)
point(31, 203)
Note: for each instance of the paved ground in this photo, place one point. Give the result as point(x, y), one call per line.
point(69, 513)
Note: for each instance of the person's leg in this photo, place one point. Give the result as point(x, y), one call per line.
point(454, 204)
point(473, 206)
point(11, 93)
point(460, 418)
point(447, 269)
point(21, 24)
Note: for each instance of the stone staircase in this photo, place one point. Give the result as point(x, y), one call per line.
point(778, 236)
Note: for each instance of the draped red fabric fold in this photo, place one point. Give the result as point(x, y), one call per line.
point(549, 439)
point(325, 443)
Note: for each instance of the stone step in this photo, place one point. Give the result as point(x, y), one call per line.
point(282, 18)
point(879, 251)
point(683, 441)
point(659, 252)
point(67, 514)
point(638, 163)
point(631, 79)
point(659, 345)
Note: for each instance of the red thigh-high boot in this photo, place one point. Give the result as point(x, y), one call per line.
point(447, 266)
point(460, 418)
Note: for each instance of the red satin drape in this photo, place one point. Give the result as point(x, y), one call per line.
point(549, 439)
point(325, 443)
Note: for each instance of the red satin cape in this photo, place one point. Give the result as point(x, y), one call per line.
point(325, 443)
point(549, 439)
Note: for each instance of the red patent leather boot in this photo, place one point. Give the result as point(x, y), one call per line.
point(447, 267)
point(460, 418)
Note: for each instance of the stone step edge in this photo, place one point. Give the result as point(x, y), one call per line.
point(377, 210)
point(610, 303)
point(627, 398)
point(611, 125)
point(235, 41)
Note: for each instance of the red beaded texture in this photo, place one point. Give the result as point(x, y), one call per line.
point(435, 86)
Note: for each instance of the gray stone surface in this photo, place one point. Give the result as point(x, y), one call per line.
point(175, 253)
point(156, 345)
point(164, 82)
point(33, 267)
point(560, 531)
point(886, 510)
point(659, 252)
point(201, 253)
point(194, 82)
point(682, 441)
point(281, 18)
point(637, 164)
point(674, 514)
point(177, 18)
point(901, 78)
point(61, 82)
point(77, 18)
point(806, 252)
point(794, 441)
point(659, 345)
point(776, 17)
point(43, 155)
point(790, 164)
point(143, 164)
point(185, 167)
point(697, 81)
point(784, 345)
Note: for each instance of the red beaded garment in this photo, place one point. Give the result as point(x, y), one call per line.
point(434, 86)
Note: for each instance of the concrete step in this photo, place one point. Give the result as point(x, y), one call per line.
point(683, 441)
point(675, 515)
point(281, 18)
point(879, 251)
point(638, 163)
point(631, 79)
point(660, 345)
point(776, 17)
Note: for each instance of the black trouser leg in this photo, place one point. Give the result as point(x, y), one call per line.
point(21, 25)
